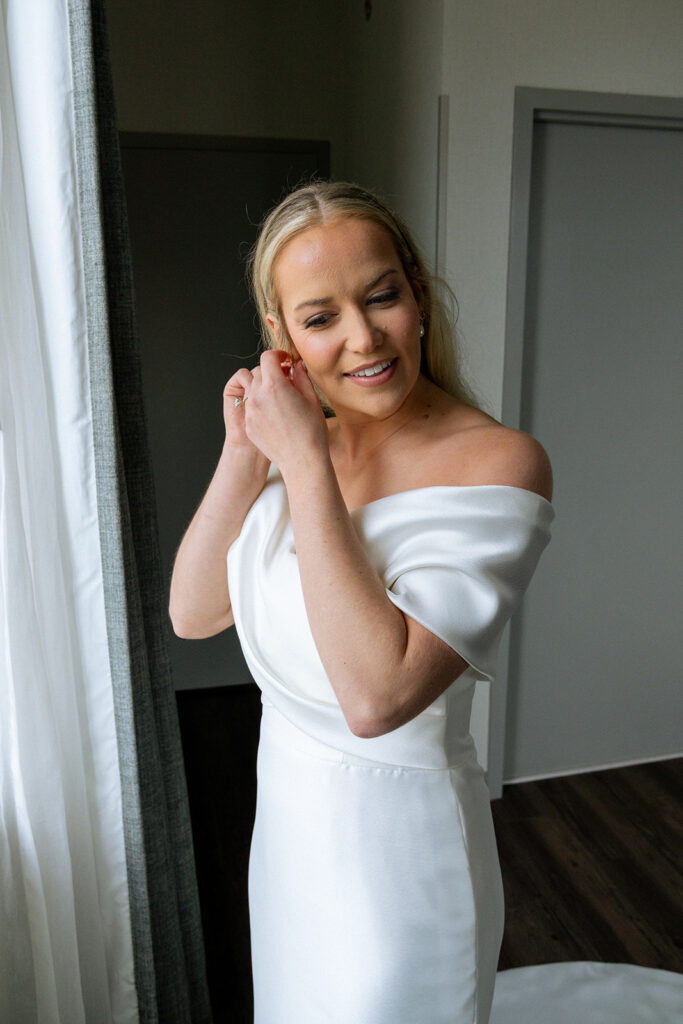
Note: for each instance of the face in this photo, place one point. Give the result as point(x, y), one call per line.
point(351, 314)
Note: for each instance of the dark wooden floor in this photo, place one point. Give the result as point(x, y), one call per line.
point(593, 867)
point(591, 863)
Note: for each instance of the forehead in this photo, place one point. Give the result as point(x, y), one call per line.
point(341, 252)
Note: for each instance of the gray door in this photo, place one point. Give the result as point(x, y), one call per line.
point(194, 205)
point(597, 654)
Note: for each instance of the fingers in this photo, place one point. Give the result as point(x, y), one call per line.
point(238, 385)
point(276, 363)
point(299, 375)
point(302, 382)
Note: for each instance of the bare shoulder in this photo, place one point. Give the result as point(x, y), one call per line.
point(483, 451)
point(511, 458)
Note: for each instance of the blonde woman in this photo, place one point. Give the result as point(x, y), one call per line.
point(373, 558)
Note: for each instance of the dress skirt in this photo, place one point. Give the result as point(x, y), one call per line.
point(374, 889)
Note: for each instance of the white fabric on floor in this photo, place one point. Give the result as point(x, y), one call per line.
point(587, 993)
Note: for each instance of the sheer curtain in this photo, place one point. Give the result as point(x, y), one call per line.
point(98, 911)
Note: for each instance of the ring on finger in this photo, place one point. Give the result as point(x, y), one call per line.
point(240, 401)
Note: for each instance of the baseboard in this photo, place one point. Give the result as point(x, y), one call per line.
point(590, 768)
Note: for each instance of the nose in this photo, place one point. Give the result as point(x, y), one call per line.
point(364, 336)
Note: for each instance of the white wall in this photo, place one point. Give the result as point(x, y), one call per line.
point(489, 47)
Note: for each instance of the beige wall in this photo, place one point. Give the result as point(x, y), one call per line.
point(491, 46)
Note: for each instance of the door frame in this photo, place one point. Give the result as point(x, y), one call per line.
point(532, 106)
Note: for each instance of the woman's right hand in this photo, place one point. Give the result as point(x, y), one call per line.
point(199, 598)
point(233, 415)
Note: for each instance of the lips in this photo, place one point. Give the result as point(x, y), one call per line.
point(372, 370)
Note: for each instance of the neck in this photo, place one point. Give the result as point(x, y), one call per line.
point(357, 438)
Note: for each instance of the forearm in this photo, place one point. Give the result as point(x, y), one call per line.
point(360, 634)
point(199, 599)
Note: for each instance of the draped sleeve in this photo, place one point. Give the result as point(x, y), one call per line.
point(458, 560)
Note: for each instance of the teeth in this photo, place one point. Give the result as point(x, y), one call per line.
point(372, 371)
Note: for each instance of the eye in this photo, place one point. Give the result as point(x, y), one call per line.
point(387, 296)
point(319, 320)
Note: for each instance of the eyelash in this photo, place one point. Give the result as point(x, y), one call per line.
point(388, 296)
point(322, 319)
point(319, 320)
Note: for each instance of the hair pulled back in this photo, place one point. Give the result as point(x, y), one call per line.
point(322, 201)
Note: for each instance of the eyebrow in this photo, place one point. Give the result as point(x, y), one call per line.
point(328, 298)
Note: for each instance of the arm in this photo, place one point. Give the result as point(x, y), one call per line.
point(384, 667)
point(199, 600)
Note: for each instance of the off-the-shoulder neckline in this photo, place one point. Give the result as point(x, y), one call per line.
point(453, 487)
point(442, 487)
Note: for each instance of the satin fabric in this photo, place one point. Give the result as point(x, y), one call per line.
point(595, 993)
point(375, 893)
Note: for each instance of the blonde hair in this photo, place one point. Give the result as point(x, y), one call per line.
point(323, 201)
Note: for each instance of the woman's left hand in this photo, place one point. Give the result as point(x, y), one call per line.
point(283, 415)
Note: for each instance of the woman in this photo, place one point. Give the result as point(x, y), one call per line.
point(373, 558)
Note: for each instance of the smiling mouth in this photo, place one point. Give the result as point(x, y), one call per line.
point(371, 371)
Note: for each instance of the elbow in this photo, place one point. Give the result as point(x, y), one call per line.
point(183, 630)
point(381, 709)
point(181, 627)
point(369, 730)
point(372, 721)
point(189, 629)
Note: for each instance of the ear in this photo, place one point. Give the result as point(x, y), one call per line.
point(419, 296)
point(280, 336)
point(274, 326)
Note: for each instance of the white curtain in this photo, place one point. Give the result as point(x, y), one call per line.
point(65, 935)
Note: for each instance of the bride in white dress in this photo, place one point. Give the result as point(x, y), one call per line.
point(373, 558)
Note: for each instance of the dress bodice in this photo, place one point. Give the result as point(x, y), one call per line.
point(456, 559)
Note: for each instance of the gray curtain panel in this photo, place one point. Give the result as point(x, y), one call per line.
point(168, 946)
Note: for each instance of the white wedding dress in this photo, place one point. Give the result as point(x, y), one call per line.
point(374, 888)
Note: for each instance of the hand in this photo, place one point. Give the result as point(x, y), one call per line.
point(283, 415)
point(233, 415)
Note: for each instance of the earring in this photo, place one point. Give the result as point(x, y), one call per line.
point(422, 326)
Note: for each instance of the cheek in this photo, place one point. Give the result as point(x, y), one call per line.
point(411, 330)
point(314, 351)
